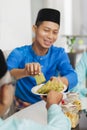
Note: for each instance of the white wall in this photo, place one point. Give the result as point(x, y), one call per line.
point(16, 20)
point(15, 23)
point(83, 27)
point(76, 16)
point(67, 17)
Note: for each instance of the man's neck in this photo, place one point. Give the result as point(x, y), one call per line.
point(40, 51)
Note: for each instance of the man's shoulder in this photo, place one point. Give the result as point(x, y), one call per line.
point(21, 49)
point(25, 47)
point(57, 49)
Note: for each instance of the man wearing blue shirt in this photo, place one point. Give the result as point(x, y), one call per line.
point(29, 60)
point(54, 112)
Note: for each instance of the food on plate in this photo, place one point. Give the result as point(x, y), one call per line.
point(40, 78)
point(51, 85)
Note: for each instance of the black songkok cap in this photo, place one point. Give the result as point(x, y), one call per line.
point(48, 14)
point(3, 66)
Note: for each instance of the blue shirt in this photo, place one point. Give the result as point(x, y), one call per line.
point(55, 62)
point(55, 122)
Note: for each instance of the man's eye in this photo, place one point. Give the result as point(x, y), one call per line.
point(55, 32)
point(46, 30)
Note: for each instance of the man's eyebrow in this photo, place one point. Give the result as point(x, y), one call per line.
point(50, 28)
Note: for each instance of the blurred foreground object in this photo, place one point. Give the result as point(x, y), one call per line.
point(71, 106)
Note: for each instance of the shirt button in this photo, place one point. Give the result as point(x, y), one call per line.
point(41, 58)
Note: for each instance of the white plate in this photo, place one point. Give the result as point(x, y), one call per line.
point(34, 89)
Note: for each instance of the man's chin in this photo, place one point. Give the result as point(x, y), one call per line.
point(47, 46)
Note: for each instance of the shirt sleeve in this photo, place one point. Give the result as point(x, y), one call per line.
point(81, 69)
point(66, 69)
point(57, 119)
point(15, 57)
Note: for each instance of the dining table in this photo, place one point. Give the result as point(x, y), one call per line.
point(38, 113)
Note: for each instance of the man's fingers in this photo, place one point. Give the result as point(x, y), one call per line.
point(33, 68)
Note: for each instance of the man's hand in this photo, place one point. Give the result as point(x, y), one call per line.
point(32, 69)
point(53, 97)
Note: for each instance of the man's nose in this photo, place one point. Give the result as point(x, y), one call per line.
point(50, 35)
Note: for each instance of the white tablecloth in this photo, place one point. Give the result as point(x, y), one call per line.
point(37, 112)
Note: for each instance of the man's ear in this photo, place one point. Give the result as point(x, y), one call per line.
point(34, 28)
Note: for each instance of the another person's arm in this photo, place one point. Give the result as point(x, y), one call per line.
point(55, 116)
point(6, 98)
point(81, 68)
point(6, 88)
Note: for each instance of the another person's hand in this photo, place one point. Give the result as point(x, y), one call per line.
point(32, 69)
point(53, 97)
